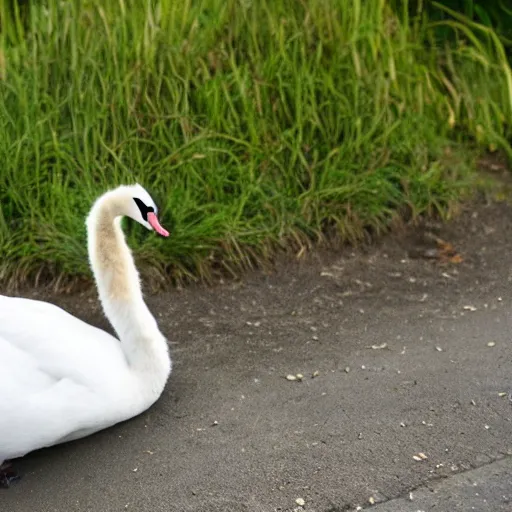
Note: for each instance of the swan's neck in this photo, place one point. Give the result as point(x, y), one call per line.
point(119, 290)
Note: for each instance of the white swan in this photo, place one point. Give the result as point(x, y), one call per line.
point(63, 379)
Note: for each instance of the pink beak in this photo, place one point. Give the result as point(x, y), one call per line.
point(153, 221)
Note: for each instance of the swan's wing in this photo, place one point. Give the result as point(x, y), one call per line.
point(60, 344)
point(36, 408)
point(56, 376)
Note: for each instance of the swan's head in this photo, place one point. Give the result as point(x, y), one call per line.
point(135, 202)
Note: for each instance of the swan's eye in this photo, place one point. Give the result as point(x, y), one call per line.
point(144, 209)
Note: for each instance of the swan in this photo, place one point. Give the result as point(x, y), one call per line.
point(63, 379)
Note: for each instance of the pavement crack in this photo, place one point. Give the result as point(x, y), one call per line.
point(428, 484)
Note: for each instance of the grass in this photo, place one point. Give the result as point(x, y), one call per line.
point(257, 126)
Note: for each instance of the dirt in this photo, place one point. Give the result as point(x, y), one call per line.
point(412, 366)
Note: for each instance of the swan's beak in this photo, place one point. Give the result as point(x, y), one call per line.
point(153, 221)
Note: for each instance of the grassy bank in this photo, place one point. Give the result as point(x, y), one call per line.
point(257, 125)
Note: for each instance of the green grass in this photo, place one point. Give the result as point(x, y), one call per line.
point(258, 126)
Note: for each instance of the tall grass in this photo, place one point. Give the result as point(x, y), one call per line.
point(258, 126)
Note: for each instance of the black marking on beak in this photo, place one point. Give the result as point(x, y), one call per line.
point(144, 209)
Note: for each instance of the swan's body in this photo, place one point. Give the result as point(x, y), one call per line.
point(62, 379)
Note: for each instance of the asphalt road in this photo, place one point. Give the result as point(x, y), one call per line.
point(413, 366)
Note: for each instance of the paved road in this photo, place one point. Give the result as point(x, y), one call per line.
point(414, 361)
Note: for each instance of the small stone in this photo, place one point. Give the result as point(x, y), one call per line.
point(491, 344)
point(371, 499)
point(502, 394)
point(347, 369)
point(439, 349)
point(316, 373)
point(291, 377)
point(299, 376)
point(300, 502)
